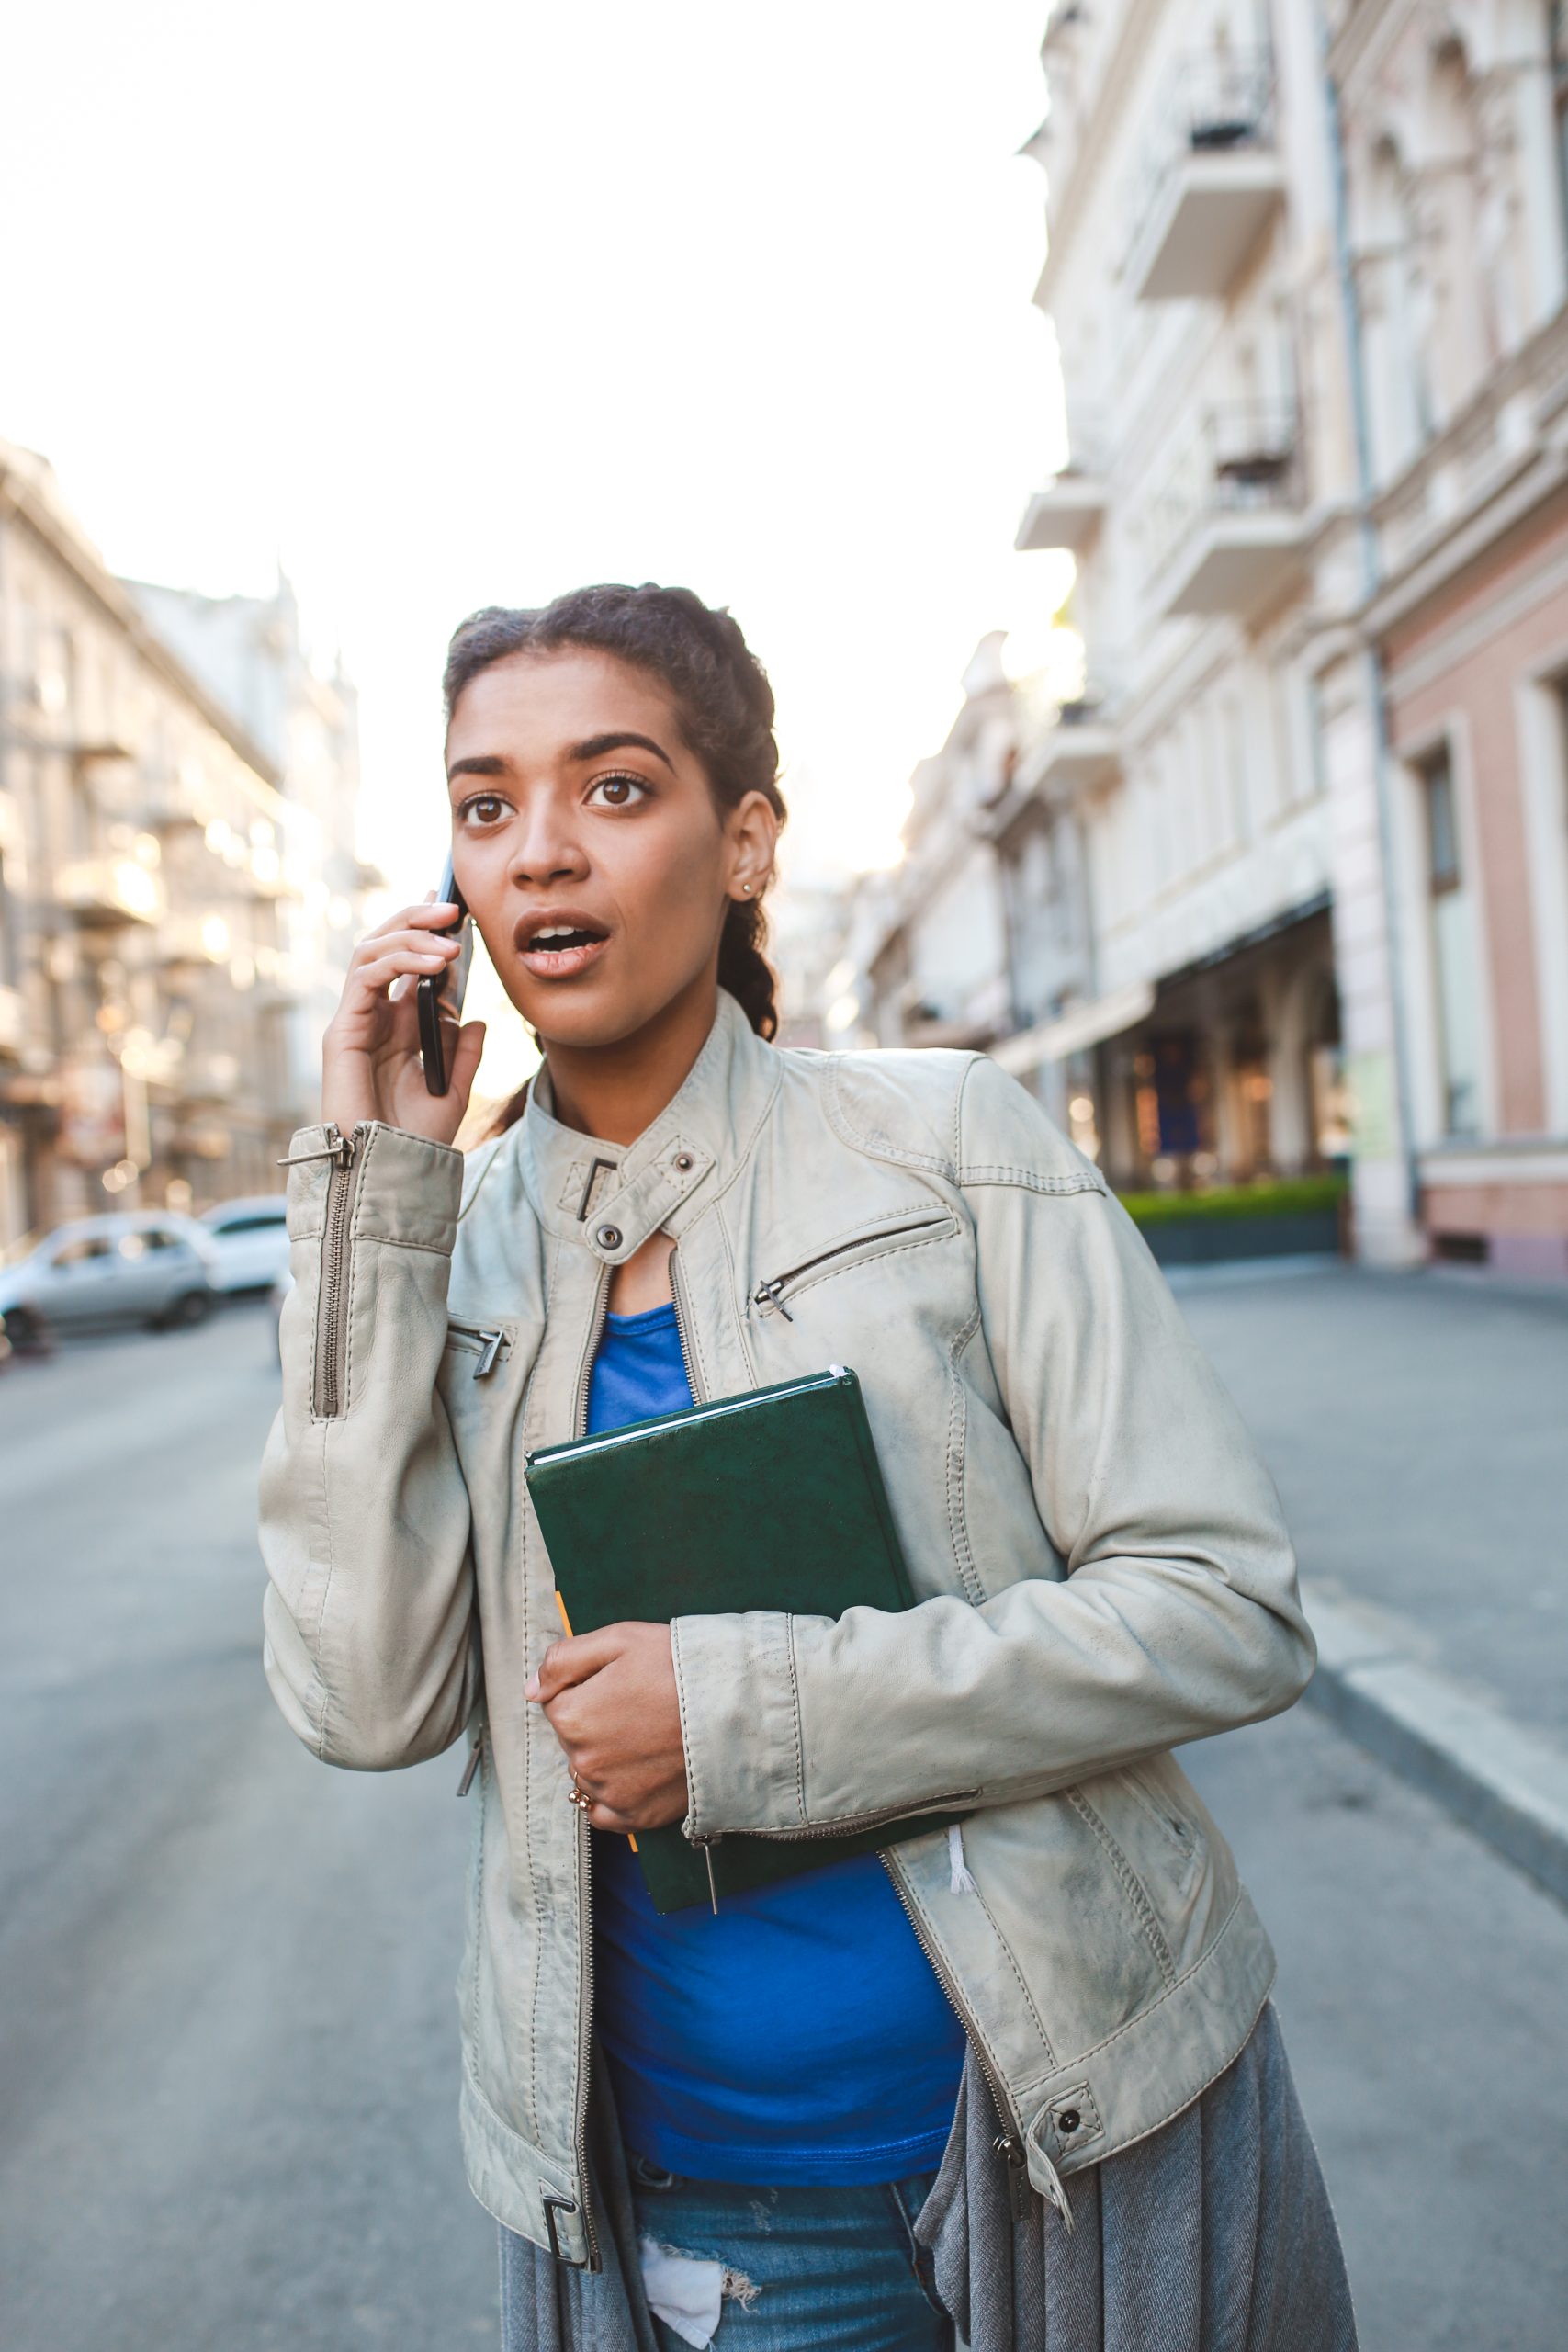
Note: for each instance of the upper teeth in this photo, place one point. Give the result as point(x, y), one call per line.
point(557, 931)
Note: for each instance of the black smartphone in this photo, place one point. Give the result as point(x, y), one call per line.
point(441, 993)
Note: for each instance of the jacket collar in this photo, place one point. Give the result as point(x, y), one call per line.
point(611, 1197)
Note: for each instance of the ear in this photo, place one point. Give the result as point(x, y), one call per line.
point(752, 831)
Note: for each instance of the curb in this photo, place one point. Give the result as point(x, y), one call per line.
point(1508, 1784)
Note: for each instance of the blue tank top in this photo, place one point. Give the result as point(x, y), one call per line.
point(802, 2035)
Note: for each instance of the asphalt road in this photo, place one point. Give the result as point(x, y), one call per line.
point(228, 2042)
point(228, 2038)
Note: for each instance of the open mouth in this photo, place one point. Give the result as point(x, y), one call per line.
point(554, 948)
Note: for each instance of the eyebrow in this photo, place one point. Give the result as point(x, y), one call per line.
point(595, 747)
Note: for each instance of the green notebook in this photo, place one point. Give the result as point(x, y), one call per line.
point(773, 1500)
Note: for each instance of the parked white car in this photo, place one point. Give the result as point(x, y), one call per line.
point(138, 1266)
point(251, 1238)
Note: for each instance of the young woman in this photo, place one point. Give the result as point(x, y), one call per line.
point(1021, 2077)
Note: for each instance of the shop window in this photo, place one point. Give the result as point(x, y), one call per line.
point(1168, 1099)
point(1251, 1093)
point(1452, 916)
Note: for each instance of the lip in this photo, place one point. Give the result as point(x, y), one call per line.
point(558, 962)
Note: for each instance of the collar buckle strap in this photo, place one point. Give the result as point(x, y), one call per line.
point(624, 1216)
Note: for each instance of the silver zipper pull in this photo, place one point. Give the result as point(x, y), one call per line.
point(713, 1885)
point(769, 1294)
point(494, 1341)
point(341, 1151)
point(467, 1783)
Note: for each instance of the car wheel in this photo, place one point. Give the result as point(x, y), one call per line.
point(27, 1331)
point(191, 1307)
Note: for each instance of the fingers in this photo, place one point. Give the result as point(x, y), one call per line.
point(405, 962)
point(434, 948)
point(466, 1060)
point(434, 914)
point(603, 1816)
point(621, 1808)
point(567, 1663)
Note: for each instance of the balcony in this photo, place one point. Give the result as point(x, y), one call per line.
point(106, 893)
point(168, 803)
point(1209, 199)
point(1227, 529)
point(1067, 513)
point(1081, 751)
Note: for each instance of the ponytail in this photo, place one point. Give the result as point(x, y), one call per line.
point(743, 968)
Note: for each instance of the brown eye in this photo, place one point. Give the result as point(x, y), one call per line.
point(484, 806)
point(618, 791)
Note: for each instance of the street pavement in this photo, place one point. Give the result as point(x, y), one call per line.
point(227, 2041)
point(1415, 1426)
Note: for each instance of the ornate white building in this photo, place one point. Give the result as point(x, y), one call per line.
point(1284, 877)
point(1190, 277)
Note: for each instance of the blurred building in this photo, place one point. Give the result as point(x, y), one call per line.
point(249, 653)
point(165, 907)
point(931, 931)
point(1178, 799)
point(982, 936)
point(1442, 700)
point(1282, 876)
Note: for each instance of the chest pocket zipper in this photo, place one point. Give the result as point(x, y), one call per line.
point(488, 1344)
point(930, 1225)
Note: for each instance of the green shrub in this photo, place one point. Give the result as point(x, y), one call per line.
point(1283, 1196)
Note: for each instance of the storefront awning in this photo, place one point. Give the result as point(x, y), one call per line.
point(1051, 1040)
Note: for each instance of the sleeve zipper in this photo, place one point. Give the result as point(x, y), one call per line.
point(332, 1306)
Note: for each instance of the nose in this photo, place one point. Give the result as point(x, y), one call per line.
point(544, 847)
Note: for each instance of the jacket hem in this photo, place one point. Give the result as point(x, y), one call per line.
point(511, 2177)
point(1097, 2104)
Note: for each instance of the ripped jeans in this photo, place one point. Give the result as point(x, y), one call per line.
point(804, 2266)
point(800, 2269)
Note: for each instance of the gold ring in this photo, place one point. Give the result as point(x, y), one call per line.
point(578, 1795)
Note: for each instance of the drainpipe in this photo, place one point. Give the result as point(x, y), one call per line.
point(1382, 753)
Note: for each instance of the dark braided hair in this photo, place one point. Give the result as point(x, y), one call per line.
point(722, 699)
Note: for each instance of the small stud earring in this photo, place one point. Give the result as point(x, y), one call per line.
point(747, 888)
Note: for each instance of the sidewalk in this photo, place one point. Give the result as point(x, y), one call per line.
point(1416, 1425)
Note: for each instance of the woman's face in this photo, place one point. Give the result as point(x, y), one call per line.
point(587, 844)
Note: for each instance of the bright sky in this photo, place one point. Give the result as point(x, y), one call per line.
point(469, 305)
point(476, 304)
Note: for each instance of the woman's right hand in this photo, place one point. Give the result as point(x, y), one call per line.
point(370, 1058)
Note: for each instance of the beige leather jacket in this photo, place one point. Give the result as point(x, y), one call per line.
point(1098, 1552)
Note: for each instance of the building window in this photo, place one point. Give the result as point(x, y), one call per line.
point(1451, 909)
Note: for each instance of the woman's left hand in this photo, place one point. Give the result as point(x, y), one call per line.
point(612, 1703)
